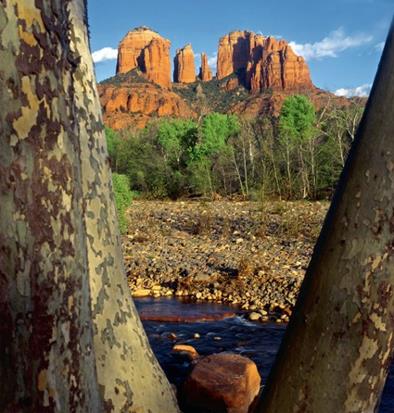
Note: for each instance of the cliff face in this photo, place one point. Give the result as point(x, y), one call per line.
point(134, 103)
point(279, 68)
point(262, 62)
point(234, 52)
point(147, 51)
point(184, 65)
point(254, 76)
point(205, 71)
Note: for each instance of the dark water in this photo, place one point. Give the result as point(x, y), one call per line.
point(260, 342)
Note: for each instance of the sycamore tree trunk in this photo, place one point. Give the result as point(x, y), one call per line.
point(339, 344)
point(70, 336)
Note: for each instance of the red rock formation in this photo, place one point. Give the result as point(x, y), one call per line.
point(146, 50)
point(267, 67)
point(157, 62)
point(184, 65)
point(233, 53)
point(222, 382)
point(205, 71)
point(279, 68)
point(267, 63)
point(135, 104)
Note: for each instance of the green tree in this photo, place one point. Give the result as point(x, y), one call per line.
point(297, 132)
point(176, 137)
point(214, 133)
point(123, 198)
point(113, 141)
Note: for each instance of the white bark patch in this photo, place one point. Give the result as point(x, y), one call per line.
point(28, 119)
point(359, 373)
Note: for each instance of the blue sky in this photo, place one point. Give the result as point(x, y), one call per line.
point(341, 39)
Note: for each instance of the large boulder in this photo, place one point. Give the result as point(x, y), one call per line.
point(222, 383)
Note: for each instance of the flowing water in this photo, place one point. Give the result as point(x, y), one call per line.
point(258, 341)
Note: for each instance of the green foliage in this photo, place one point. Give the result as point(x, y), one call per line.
point(123, 198)
point(216, 129)
point(113, 142)
point(297, 118)
point(298, 156)
point(176, 137)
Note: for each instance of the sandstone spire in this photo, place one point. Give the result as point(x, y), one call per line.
point(233, 53)
point(261, 62)
point(184, 66)
point(146, 50)
point(279, 68)
point(205, 71)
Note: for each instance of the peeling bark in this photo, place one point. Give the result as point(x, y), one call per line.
point(129, 375)
point(70, 336)
point(339, 344)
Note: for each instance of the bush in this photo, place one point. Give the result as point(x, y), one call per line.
point(123, 198)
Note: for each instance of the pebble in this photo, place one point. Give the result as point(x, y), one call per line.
point(254, 316)
point(174, 260)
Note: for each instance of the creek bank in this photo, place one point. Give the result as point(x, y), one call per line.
point(257, 341)
point(247, 254)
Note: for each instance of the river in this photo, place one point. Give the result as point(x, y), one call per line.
point(258, 341)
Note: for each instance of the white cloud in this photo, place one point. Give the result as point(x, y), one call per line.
point(379, 46)
point(359, 91)
point(212, 60)
point(106, 53)
point(336, 42)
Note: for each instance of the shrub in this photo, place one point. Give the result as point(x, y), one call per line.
point(123, 197)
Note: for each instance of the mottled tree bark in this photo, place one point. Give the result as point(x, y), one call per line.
point(339, 343)
point(70, 337)
point(129, 375)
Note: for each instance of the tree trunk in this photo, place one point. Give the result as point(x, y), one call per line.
point(70, 336)
point(339, 343)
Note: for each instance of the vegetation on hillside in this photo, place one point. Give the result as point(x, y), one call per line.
point(297, 156)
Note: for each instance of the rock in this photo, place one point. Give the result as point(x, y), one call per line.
point(142, 292)
point(234, 52)
point(205, 71)
point(141, 89)
point(186, 350)
point(279, 68)
point(262, 62)
point(222, 382)
point(202, 278)
point(135, 103)
point(184, 65)
point(254, 316)
point(146, 50)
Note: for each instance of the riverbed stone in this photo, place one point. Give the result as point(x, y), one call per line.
point(186, 350)
point(222, 383)
point(141, 292)
point(254, 316)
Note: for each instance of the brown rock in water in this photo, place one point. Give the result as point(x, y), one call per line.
point(205, 71)
point(146, 50)
point(187, 350)
point(222, 382)
point(184, 65)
